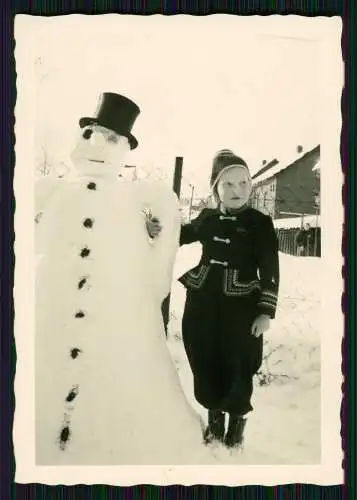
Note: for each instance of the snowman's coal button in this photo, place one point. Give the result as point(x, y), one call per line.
point(85, 252)
point(88, 223)
point(79, 314)
point(92, 186)
point(82, 282)
point(64, 436)
point(72, 394)
point(74, 352)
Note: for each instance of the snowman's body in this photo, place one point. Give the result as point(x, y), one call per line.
point(107, 391)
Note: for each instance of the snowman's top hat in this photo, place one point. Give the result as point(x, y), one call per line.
point(117, 113)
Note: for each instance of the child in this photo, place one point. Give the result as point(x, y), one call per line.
point(231, 297)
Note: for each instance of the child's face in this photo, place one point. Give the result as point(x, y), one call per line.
point(234, 187)
point(100, 151)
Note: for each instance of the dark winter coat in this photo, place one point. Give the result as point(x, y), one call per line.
point(244, 246)
point(236, 279)
point(304, 238)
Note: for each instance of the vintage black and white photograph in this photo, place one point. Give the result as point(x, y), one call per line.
point(178, 283)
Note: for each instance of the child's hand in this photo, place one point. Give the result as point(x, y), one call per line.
point(260, 325)
point(153, 227)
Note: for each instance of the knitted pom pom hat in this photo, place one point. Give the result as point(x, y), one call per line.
point(223, 160)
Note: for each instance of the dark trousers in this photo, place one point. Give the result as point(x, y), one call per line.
point(222, 352)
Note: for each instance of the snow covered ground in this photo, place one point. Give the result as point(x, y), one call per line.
point(284, 428)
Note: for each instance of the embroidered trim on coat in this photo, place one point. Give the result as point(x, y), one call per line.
point(233, 288)
point(267, 304)
point(268, 298)
point(195, 277)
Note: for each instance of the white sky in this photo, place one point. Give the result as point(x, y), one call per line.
point(202, 83)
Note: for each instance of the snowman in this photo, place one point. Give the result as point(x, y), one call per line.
point(107, 391)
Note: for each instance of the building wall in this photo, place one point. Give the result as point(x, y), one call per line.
point(296, 189)
point(263, 196)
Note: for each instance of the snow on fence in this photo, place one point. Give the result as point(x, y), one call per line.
point(297, 222)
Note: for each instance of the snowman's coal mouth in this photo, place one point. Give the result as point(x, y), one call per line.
point(97, 161)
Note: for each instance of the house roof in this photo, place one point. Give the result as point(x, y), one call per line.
point(266, 167)
point(275, 167)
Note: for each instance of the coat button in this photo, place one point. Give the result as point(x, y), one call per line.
point(88, 223)
point(85, 252)
point(223, 240)
point(79, 314)
point(92, 186)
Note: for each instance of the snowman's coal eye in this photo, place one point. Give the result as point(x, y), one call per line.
point(113, 138)
point(87, 133)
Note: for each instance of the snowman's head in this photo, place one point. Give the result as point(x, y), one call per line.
point(100, 152)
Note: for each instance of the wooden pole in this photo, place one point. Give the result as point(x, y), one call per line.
point(165, 307)
point(178, 175)
point(191, 202)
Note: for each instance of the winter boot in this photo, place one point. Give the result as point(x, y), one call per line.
point(234, 437)
point(216, 426)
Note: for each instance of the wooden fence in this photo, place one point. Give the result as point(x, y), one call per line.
point(287, 241)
